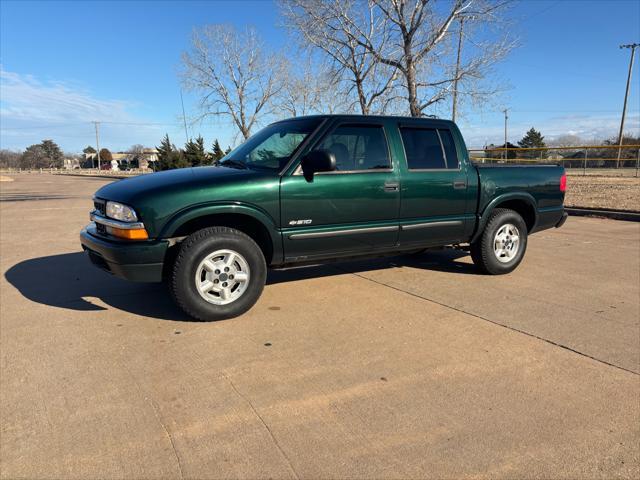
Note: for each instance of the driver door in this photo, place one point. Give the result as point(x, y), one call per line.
point(349, 211)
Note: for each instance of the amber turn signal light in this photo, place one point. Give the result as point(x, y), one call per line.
point(129, 234)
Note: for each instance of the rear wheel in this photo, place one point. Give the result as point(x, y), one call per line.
point(218, 273)
point(503, 242)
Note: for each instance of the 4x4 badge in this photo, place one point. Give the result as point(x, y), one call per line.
point(306, 221)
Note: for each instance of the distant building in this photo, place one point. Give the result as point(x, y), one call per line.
point(70, 163)
point(126, 160)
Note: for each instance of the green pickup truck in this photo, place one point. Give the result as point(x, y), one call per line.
point(313, 189)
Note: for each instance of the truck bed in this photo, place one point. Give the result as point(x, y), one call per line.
point(539, 184)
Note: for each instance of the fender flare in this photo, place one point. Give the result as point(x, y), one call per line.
point(505, 197)
point(191, 213)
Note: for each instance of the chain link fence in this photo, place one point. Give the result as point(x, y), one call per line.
point(609, 160)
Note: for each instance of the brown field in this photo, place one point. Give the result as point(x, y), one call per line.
point(595, 191)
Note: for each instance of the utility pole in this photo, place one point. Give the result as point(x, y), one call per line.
point(633, 47)
point(97, 143)
point(504, 152)
point(184, 118)
point(455, 80)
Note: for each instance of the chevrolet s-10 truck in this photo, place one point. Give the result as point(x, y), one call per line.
point(313, 189)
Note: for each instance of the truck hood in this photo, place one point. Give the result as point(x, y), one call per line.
point(159, 197)
point(133, 190)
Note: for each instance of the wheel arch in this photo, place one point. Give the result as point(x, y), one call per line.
point(522, 203)
point(256, 224)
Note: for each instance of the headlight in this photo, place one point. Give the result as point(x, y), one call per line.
point(121, 212)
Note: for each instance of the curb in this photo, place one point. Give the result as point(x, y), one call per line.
point(112, 177)
point(604, 212)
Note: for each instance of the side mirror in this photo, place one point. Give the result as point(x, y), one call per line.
point(318, 161)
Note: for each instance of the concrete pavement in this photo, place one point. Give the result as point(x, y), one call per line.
point(407, 367)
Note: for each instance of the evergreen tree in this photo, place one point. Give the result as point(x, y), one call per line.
point(164, 151)
point(533, 139)
point(43, 155)
point(194, 152)
point(217, 152)
point(178, 160)
point(34, 157)
point(169, 156)
point(227, 151)
point(52, 152)
point(89, 157)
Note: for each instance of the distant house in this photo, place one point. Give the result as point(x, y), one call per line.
point(149, 158)
point(70, 163)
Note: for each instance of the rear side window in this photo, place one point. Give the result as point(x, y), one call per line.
point(449, 149)
point(428, 148)
point(358, 147)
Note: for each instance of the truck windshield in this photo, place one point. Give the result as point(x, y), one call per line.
point(273, 146)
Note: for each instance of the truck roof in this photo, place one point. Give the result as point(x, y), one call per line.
point(360, 116)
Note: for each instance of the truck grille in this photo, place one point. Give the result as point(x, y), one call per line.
point(100, 206)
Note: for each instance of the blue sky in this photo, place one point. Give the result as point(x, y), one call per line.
point(65, 64)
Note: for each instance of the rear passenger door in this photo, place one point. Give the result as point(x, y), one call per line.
point(433, 208)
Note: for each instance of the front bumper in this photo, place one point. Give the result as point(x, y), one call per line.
point(131, 260)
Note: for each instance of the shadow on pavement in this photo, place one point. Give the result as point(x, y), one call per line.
point(435, 260)
point(70, 281)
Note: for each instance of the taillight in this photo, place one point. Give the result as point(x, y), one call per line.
point(563, 182)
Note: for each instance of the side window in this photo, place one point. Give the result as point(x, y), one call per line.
point(422, 147)
point(449, 149)
point(275, 148)
point(357, 147)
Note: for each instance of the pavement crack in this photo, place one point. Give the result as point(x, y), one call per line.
point(480, 317)
point(273, 438)
point(156, 412)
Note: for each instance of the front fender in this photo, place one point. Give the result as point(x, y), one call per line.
point(505, 197)
point(191, 213)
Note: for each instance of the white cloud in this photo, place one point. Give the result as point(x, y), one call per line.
point(25, 99)
point(587, 127)
point(31, 110)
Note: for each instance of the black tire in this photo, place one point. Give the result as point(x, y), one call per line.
point(482, 250)
point(193, 250)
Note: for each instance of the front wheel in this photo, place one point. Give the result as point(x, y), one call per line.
point(503, 242)
point(218, 273)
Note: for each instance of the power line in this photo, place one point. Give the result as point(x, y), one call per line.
point(56, 125)
point(39, 127)
point(151, 124)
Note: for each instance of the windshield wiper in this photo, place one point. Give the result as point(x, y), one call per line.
point(234, 164)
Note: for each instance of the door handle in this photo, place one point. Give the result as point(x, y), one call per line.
point(391, 186)
point(460, 185)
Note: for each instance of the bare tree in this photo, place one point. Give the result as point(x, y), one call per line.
point(334, 28)
point(10, 158)
point(233, 74)
point(311, 88)
point(413, 38)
